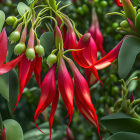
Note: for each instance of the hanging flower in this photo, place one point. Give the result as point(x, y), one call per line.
point(3, 135)
point(119, 3)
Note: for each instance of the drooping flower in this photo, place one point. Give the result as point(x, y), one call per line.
point(95, 32)
point(69, 134)
point(5, 67)
point(119, 3)
point(3, 135)
point(132, 98)
point(30, 62)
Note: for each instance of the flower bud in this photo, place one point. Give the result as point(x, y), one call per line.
point(3, 135)
point(124, 24)
point(30, 53)
point(52, 58)
point(11, 20)
point(39, 49)
point(132, 98)
point(58, 38)
point(137, 22)
point(19, 48)
point(129, 10)
point(14, 36)
point(69, 134)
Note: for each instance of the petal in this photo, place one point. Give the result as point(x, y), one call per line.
point(37, 69)
point(48, 92)
point(53, 109)
point(3, 47)
point(65, 86)
point(118, 3)
point(24, 67)
point(3, 135)
point(10, 65)
point(109, 58)
point(132, 26)
point(82, 93)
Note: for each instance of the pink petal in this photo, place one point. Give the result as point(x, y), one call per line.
point(48, 92)
point(65, 86)
point(53, 109)
point(3, 47)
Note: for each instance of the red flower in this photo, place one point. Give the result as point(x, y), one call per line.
point(4, 68)
point(27, 66)
point(95, 32)
point(119, 3)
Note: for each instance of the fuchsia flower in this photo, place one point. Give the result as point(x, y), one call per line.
point(4, 68)
point(95, 32)
point(27, 66)
point(3, 135)
point(66, 88)
point(119, 3)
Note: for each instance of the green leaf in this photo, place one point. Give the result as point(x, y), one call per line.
point(22, 8)
point(13, 90)
point(47, 40)
point(135, 2)
point(13, 130)
point(124, 136)
point(4, 85)
point(117, 122)
point(127, 55)
point(2, 20)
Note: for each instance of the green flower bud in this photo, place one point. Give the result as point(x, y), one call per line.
point(115, 25)
point(52, 58)
point(11, 20)
point(14, 36)
point(124, 24)
point(19, 48)
point(39, 49)
point(104, 3)
point(30, 53)
point(137, 22)
point(129, 10)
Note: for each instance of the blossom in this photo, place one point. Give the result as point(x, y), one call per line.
point(5, 67)
point(26, 66)
point(95, 32)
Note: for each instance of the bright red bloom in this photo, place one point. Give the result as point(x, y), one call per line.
point(3, 135)
point(26, 68)
point(95, 32)
point(65, 86)
point(4, 68)
point(82, 96)
point(47, 95)
point(118, 3)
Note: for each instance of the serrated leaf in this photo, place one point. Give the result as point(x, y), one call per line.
point(47, 40)
point(127, 55)
point(124, 136)
point(2, 20)
point(4, 85)
point(117, 122)
point(22, 8)
point(13, 90)
point(13, 130)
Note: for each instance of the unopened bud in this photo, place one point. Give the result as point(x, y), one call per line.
point(132, 98)
point(11, 20)
point(129, 10)
point(51, 59)
point(124, 24)
point(3, 135)
point(69, 134)
point(19, 48)
point(30, 53)
point(58, 38)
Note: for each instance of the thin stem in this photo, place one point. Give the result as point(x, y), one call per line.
point(116, 13)
point(64, 7)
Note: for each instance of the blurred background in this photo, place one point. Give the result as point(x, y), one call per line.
point(103, 97)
